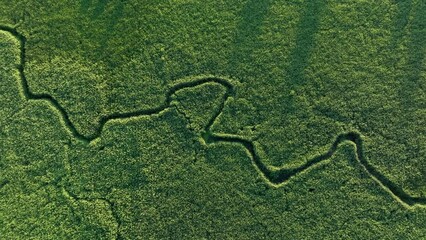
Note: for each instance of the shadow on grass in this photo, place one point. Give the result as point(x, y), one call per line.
point(416, 50)
point(305, 41)
point(94, 11)
point(252, 17)
point(98, 7)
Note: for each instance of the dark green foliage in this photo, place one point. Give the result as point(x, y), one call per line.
point(212, 119)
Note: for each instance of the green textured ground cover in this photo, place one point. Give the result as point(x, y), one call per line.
point(212, 119)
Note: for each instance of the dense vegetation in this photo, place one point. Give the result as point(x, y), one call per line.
point(212, 119)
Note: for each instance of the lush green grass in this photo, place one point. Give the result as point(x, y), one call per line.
point(212, 119)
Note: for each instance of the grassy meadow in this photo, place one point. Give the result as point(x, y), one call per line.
point(190, 119)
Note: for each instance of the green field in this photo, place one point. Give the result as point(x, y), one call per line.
point(187, 119)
